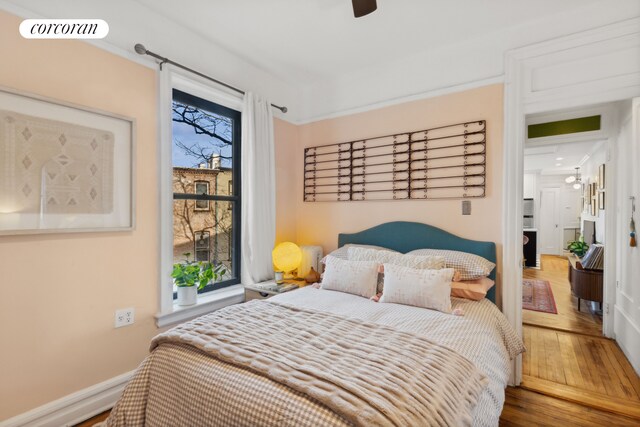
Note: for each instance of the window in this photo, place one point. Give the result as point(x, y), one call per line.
point(202, 187)
point(206, 206)
point(202, 249)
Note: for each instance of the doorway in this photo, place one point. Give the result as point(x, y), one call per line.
point(569, 73)
point(549, 221)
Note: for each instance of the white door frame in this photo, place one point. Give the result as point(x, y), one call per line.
point(567, 72)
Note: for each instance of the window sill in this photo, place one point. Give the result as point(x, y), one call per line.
point(208, 303)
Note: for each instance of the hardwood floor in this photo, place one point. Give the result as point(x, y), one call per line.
point(555, 270)
point(94, 420)
point(568, 358)
point(527, 408)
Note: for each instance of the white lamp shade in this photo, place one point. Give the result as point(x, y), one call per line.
point(570, 179)
point(577, 186)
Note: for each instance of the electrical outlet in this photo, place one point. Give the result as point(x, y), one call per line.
point(124, 317)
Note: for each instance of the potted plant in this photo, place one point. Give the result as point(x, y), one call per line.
point(579, 247)
point(191, 276)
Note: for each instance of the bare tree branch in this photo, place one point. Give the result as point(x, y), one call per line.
point(202, 122)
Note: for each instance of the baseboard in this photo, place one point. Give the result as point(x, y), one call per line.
point(74, 408)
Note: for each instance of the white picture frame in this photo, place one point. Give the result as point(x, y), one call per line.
point(64, 167)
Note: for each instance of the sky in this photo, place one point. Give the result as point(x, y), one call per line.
point(184, 133)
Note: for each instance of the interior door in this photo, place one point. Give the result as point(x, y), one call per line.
point(549, 229)
point(626, 323)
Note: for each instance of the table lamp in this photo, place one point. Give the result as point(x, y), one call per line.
point(286, 257)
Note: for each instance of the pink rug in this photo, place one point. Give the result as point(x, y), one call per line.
point(537, 296)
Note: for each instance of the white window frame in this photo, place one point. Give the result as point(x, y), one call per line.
point(168, 311)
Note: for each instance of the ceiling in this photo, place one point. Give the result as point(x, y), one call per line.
point(559, 159)
point(311, 40)
point(314, 57)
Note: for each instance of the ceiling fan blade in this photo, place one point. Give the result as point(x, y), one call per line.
point(363, 7)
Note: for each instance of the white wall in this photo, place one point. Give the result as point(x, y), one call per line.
point(589, 172)
point(627, 182)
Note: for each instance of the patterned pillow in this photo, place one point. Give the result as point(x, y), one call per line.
point(352, 277)
point(343, 252)
point(388, 257)
point(418, 287)
point(359, 253)
point(470, 266)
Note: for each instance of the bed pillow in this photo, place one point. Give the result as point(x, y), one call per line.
point(472, 289)
point(343, 252)
point(359, 253)
point(352, 277)
point(418, 287)
point(388, 257)
point(470, 266)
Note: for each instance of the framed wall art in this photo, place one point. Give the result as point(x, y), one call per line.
point(63, 167)
point(601, 200)
point(594, 199)
point(601, 177)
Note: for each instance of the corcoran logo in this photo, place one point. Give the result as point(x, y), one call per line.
point(64, 29)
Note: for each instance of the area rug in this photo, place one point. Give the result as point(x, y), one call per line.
point(537, 296)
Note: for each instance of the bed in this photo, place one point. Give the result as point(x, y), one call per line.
point(316, 357)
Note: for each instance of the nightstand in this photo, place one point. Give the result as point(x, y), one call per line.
point(264, 290)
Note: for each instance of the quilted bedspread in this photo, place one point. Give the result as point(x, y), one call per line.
point(321, 358)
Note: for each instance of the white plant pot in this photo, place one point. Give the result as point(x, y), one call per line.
point(187, 295)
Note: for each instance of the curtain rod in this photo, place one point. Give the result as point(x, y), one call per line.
point(140, 49)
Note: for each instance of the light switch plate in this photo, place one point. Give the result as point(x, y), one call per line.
point(466, 207)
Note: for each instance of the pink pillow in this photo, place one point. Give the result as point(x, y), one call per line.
point(472, 289)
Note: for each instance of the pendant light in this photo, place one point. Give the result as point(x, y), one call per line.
point(575, 179)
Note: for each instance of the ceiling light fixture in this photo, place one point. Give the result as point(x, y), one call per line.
point(575, 178)
point(559, 158)
point(363, 7)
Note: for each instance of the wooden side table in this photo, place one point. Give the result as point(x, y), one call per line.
point(585, 284)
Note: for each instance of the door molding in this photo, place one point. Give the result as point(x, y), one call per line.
point(565, 72)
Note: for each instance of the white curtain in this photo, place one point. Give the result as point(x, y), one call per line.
point(258, 208)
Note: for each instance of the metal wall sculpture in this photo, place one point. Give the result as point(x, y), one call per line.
point(447, 162)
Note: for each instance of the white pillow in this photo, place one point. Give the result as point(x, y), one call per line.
point(352, 277)
point(343, 251)
point(470, 266)
point(388, 257)
point(418, 287)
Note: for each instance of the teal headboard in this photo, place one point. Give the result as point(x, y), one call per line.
point(404, 237)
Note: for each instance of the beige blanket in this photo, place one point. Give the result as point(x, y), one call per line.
point(368, 373)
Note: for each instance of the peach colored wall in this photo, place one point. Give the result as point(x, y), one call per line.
point(320, 222)
point(60, 291)
point(286, 142)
